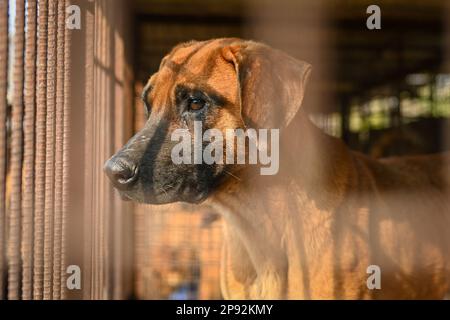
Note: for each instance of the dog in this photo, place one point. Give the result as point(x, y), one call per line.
point(330, 216)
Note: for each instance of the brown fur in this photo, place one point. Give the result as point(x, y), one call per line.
point(311, 231)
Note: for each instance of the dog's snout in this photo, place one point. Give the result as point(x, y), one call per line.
point(122, 172)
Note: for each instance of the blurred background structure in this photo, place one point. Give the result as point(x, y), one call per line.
point(70, 98)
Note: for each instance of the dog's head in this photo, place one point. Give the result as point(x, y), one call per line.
point(222, 84)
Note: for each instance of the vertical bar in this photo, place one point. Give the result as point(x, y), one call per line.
point(100, 140)
point(432, 97)
point(116, 110)
point(106, 118)
point(100, 197)
point(16, 156)
point(50, 150)
point(28, 158)
point(104, 152)
point(97, 107)
point(345, 119)
point(95, 208)
point(59, 140)
point(41, 110)
point(3, 107)
point(74, 215)
point(66, 137)
point(141, 251)
point(89, 213)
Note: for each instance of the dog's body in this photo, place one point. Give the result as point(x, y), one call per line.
point(337, 212)
point(312, 230)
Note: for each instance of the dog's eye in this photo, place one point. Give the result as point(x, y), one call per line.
point(196, 104)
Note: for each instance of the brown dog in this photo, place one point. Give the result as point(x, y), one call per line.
point(312, 230)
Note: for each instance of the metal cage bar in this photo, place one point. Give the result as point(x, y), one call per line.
point(37, 163)
point(41, 109)
point(3, 110)
point(50, 149)
point(28, 157)
point(13, 244)
point(65, 152)
point(59, 140)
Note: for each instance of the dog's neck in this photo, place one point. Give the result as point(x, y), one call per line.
point(260, 211)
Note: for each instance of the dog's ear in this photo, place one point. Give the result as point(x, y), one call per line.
point(271, 83)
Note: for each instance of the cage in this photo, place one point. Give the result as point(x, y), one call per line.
point(71, 76)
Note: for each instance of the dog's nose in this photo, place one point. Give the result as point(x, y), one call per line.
point(122, 172)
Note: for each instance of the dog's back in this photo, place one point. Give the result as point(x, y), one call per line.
point(422, 171)
point(408, 201)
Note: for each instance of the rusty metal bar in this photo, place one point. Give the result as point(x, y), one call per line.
point(59, 140)
point(65, 151)
point(35, 230)
point(41, 109)
point(119, 114)
point(97, 87)
point(28, 158)
point(50, 150)
point(99, 197)
point(14, 229)
point(95, 201)
point(3, 107)
point(106, 117)
point(89, 220)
